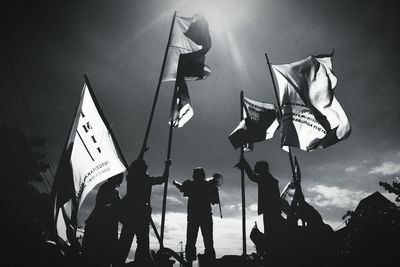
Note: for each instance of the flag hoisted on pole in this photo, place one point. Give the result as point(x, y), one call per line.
point(146, 136)
point(280, 112)
point(181, 111)
point(260, 123)
point(311, 115)
point(91, 156)
point(190, 41)
point(291, 192)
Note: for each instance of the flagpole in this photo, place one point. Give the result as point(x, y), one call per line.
point(171, 127)
point(280, 112)
point(55, 187)
point(144, 146)
point(242, 186)
point(55, 182)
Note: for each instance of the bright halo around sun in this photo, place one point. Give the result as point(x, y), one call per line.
point(222, 15)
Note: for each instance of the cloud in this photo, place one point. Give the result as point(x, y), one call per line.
point(335, 224)
point(232, 206)
point(351, 169)
point(253, 207)
point(387, 168)
point(174, 199)
point(332, 196)
point(390, 196)
point(227, 233)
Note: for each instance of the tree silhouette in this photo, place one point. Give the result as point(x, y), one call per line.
point(371, 235)
point(347, 216)
point(26, 214)
point(21, 166)
point(392, 188)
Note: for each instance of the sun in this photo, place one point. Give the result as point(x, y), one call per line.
point(222, 15)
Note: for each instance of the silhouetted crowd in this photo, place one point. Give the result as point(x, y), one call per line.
point(294, 232)
point(283, 242)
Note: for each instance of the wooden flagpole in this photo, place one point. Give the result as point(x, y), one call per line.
point(280, 113)
point(144, 146)
point(242, 186)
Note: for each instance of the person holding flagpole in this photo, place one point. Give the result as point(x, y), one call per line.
point(136, 210)
point(269, 204)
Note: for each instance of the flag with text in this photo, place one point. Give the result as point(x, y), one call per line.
point(260, 123)
point(311, 115)
point(91, 157)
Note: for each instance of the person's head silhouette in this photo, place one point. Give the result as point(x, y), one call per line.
point(199, 174)
point(116, 180)
point(261, 168)
point(138, 166)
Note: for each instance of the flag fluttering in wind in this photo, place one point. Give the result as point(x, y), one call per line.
point(260, 123)
point(287, 196)
point(190, 41)
point(183, 110)
point(91, 156)
point(311, 115)
point(290, 193)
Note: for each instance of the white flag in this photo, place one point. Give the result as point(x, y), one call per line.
point(290, 191)
point(260, 123)
point(287, 197)
point(91, 157)
point(182, 110)
point(94, 156)
point(312, 117)
point(191, 38)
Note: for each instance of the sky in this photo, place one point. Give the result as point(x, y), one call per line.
point(120, 46)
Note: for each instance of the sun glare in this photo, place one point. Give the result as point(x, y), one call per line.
point(222, 15)
point(226, 19)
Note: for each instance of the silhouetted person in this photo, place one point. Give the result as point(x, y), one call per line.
point(101, 230)
point(201, 195)
point(137, 211)
point(318, 236)
point(269, 204)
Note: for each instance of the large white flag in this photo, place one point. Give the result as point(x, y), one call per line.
point(260, 123)
point(312, 117)
point(91, 157)
point(190, 38)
